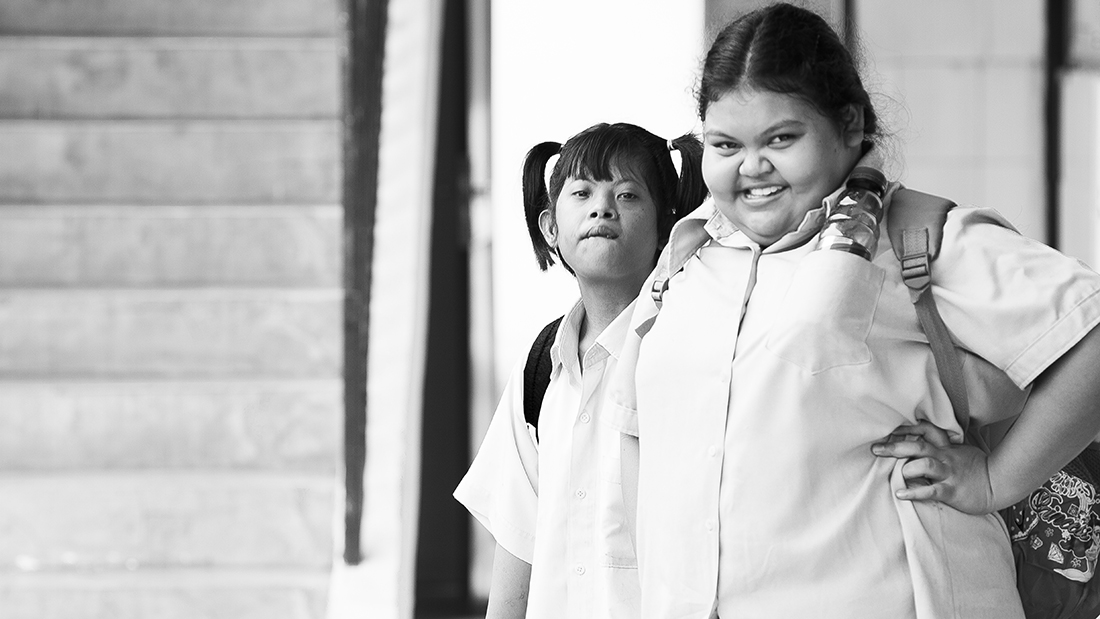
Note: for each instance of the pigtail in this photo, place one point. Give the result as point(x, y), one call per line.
point(536, 199)
point(691, 189)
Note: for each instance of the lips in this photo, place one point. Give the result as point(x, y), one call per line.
point(761, 192)
point(603, 232)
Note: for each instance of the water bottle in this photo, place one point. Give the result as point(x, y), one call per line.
point(852, 224)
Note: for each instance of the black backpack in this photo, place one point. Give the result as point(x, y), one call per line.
point(536, 373)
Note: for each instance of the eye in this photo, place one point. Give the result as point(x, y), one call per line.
point(579, 193)
point(628, 195)
point(782, 139)
point(724, 147)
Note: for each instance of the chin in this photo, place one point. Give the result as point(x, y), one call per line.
point(616, 274)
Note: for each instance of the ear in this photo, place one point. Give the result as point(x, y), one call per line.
point(548, 228)
point(852, 125)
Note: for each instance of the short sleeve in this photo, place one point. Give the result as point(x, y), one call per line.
point(501, 487)
point(1012, 300)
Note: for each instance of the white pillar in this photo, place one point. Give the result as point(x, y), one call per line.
point(382, 587)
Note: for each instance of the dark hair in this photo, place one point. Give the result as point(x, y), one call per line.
point(789, 50)
point(593, 154)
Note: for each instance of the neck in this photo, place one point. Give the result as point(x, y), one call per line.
point(603, 302)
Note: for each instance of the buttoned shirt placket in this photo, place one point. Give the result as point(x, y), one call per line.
point(583, 482)
point(727, 236)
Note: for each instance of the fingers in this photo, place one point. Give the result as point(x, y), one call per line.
point(923, 468)
point(928, 492)
point(905, 449)
point(925, 480)
point(937, 470)
point(925, 430)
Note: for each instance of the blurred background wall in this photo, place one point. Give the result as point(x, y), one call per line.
point(178, 212)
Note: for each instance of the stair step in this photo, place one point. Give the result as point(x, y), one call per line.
point(187, 17)
point(188, 333)
point(166, 594)
point(123, 246)
point(168, 78)
point(162, 162)
point(158, 519)
point(78, 426)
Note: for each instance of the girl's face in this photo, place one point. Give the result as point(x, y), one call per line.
point(606, 230)
point(770, 158)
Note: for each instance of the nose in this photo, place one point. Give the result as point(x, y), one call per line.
point(603, 206)
point(754, 164)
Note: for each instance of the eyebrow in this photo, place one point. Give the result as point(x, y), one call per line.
point(615, 181)
point(785, 123)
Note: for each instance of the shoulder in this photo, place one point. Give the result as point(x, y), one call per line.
point(905, 201)
point(982, 247)
point(946, 221)
point(968, 216)
point(982, 231)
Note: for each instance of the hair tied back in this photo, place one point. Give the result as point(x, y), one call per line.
point(548, 168)
point(677, 162)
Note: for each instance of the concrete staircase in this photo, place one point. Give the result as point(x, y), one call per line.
point(170, 308)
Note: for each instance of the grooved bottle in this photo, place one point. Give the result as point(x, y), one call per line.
point(852, 224)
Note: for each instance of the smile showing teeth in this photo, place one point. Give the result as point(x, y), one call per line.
point(762, 192)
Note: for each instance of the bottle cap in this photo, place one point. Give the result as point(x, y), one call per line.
point(870, 178)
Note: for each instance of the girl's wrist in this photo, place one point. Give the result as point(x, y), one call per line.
point(1006, 484)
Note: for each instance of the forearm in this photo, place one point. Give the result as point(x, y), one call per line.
point(510, 586)
point(1060, 419)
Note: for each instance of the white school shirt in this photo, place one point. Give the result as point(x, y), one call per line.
point(558, 505)
point(759, 494)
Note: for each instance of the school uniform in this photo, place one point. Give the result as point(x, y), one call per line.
point(557, 504)
point(761, 384)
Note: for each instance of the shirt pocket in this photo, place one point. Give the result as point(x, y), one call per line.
point(826, 315)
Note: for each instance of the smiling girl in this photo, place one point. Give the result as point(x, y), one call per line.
point(551, 495)
point(760, 378)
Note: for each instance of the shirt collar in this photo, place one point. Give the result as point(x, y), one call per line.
point(566, 340)
point(722, 230)
point(611, 340)
point(564, 351)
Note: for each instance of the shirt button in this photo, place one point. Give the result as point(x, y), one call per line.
point(713, 451)
point(581, 494)
point(579, 570)
point(710, 525)
point(585, 418)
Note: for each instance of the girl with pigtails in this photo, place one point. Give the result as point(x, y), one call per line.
point(551, 495)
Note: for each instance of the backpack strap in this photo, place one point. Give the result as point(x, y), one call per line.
point(691, 236)
point(915, 223)
point(536, 373)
